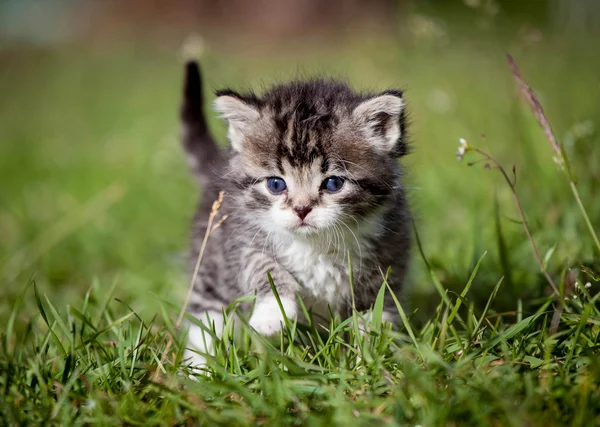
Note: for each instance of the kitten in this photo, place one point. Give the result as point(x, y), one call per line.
point(310, 175)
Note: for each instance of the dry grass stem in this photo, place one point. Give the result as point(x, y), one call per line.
point(538, 111)
point(511, 184)
point(210, 228)
point(536, 107)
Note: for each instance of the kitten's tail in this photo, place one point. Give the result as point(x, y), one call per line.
point(204, 156)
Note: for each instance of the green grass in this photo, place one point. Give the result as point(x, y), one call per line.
point(95, 202)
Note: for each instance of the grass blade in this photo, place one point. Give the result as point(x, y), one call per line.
point(13, 315)
point(465, 290)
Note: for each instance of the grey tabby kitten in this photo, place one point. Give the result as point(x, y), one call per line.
point(310, 175)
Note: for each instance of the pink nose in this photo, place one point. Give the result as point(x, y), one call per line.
point(302, 211)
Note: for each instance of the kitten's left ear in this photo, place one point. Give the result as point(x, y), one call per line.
point(382, 119)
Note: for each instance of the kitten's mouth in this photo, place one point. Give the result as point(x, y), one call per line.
point(305, 228)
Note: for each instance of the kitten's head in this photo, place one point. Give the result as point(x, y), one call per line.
point(311, 156)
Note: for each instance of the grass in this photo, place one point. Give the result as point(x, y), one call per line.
point(95, 364)
point(95, 201)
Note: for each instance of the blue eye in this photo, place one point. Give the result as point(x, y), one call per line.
point(333, 184)
point(276, 185)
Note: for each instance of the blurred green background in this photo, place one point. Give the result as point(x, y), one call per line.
point(95, 191)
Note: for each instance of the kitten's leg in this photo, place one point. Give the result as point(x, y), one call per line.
point(392, 316)
point(390, 310)
point(201, 341)
point(207, 305)
point(267, 317)
point(365, 295)
point(365, 301)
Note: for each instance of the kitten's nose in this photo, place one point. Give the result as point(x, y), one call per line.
point(302, 211)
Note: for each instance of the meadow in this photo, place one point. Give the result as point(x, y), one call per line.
point(96, 200)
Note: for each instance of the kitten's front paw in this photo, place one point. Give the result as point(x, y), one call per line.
point(267, 318)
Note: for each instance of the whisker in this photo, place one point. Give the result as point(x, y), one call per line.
point(357, 243)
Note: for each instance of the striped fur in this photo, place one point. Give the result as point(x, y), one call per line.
point(302, 132)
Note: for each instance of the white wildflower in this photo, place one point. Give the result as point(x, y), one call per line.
point(566, 298)
point(577, 284)
point(574, 296)
point(462, 149)
point(588, 285)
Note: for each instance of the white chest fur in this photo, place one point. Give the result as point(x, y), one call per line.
point(323, 277)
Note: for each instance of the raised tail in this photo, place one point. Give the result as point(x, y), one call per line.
point(204, 156)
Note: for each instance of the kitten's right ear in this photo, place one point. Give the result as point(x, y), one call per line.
point(240, 114)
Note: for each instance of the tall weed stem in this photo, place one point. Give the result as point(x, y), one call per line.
point(558, 149)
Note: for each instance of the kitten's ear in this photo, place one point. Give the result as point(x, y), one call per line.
point(382, 119)
point(240, 114)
